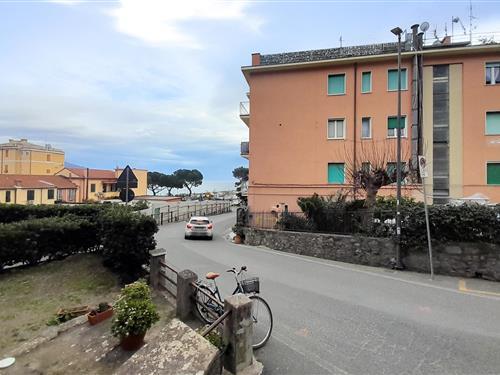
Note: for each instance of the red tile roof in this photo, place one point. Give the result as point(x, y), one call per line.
point(93, 173)
point(11, 181)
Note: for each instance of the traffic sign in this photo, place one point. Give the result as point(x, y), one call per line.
point(127, 179)
point(124, 196)
point(422, 166)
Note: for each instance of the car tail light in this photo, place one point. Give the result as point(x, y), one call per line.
point(210, 226)
point(189, 226)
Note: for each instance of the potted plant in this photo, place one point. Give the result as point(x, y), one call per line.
point(135, 313)
point(102, 312)
point(239, 234)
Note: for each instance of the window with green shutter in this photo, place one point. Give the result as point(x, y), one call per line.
point(392, 125)
point(335, 173)
point(366, 82)
point(493, 173)
point(493, 123)
point(336, 84)
point(392, 79)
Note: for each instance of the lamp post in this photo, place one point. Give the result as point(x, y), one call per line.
point(397, 31)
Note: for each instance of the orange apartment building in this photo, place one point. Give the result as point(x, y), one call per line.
point(310, 113)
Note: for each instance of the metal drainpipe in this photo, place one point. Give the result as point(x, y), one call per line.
point(355, 119)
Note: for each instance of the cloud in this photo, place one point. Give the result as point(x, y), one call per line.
point(171, 22)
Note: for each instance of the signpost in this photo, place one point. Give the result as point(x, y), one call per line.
point(422, 166)
point(126, 181)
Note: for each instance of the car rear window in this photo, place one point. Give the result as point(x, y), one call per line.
point(199, 222)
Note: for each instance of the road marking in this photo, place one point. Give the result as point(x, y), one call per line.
point(345, 268)
point(463, 288)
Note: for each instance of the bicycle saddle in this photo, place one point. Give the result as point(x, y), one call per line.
point(212, 275)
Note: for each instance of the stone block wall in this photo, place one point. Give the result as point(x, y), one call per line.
point(454, 259)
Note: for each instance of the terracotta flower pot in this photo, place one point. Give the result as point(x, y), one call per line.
point(98, 317)
point(132, 342)
point(237, 239)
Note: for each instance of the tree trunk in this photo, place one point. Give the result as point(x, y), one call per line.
point(189, 189)
point(367, 218)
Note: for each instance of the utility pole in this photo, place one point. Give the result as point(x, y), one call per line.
point(397, 31)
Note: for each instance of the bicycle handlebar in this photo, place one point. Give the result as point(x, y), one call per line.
point(233, 270)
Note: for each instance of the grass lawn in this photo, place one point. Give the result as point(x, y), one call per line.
point(30, 296)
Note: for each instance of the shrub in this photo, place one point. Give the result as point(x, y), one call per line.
point(124, 237)
point(290, 221)
point(135, 312)
point(30, 241)
point(126, 240)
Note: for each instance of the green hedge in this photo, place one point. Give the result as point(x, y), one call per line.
point(122, 236)
point(10, 213)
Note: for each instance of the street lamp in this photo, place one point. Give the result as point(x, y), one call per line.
point(397, 31)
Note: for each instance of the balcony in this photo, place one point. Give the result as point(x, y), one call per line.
point(245, 112)
point(245, 149)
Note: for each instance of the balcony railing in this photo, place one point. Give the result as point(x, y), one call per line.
point(245, 149)
point(244, 108)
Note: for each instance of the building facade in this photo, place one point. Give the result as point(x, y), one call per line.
point(99, 184)
point(33, 189)
point(314, 115)
point(20, 157)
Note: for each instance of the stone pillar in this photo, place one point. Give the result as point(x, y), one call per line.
point(238, 333)
point(185, 293)
point(154, 266)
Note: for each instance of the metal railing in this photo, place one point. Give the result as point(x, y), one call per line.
point(244, 108)
point(245, 148)
point(330, 221)
point(175, 213)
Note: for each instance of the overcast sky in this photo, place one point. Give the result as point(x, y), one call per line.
point(157, 84)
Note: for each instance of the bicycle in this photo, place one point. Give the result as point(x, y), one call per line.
point(210, 311)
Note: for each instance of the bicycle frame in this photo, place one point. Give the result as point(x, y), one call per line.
point(238, 289)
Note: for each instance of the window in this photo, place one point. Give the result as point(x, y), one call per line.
point(92, 188)
point(6, 169)
point(335, 173)
point(391, 171)
point(104, 188)
point(7, 153)
point(366, 82)
point(31, 195)
point(493, 173)
point(492, 123)
point(7, 196)
point(50, 194)
point(366, 127)
point(493, 73)
point(336, 84)
point(59, 195)
point(336, 129)
point(48, 171)
point(392, 79)
point(48, 157)
point(72, 195)
point(392, 124)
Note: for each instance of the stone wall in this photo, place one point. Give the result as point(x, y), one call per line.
point(455, 259)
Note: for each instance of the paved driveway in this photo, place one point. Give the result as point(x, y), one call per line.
point(333, 317)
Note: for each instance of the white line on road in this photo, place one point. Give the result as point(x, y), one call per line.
point(345, 268)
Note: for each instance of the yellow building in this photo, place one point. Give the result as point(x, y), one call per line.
point(20, 157)
point(29, 189)
point(99, 184)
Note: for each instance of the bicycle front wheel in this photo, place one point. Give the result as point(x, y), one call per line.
point(262, 321)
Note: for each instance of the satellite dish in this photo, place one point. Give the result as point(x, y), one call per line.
point(424, 26)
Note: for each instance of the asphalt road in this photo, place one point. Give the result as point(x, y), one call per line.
point(337, 318)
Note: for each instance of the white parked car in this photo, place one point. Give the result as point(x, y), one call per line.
point(199, 226)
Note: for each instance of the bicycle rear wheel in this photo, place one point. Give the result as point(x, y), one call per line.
point(262, 321)
point(207, 309)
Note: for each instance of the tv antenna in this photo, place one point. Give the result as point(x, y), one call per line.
point(471, 17)
point(340, 40)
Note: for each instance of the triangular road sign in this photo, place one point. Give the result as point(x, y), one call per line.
point(121, 183)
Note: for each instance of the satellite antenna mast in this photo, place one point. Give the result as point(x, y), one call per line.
point(340, 40)
point(471, 17)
